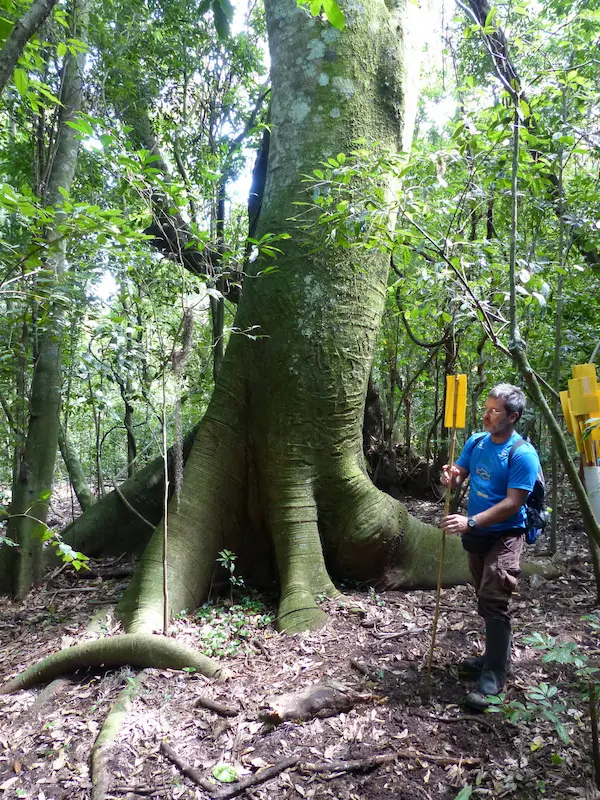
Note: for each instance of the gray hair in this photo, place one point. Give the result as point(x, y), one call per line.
point(514, 398)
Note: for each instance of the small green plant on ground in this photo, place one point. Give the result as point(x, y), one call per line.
point(227, 631)
point(544, 701)
point(227, 560)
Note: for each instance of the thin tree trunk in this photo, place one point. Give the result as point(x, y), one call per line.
point(22, 568)
point(75, 470)
point(21, 33)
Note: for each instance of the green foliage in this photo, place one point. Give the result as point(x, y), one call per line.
point(227, 631)
point(544, 701)
point(464, 793)
point(330, 8)
point(226, 773)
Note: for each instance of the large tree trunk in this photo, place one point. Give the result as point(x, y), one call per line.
point(277, 464)
point(21, 567)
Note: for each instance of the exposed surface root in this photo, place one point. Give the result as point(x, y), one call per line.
point(108, 736)
point(134, 649)
point(298, 612)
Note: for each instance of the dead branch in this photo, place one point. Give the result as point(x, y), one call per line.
point(259, 777)
point(356, 765)
point(466, 718)
point(398, 634)
point(364, 669)
point(217, 708)
point(185, 768)
point(415, 755)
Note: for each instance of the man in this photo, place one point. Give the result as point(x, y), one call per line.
point(501, 479)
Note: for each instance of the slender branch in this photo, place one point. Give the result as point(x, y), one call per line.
point(21, 33)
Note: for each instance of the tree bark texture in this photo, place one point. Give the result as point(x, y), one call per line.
point(21, 33)
point(277, 467)
point(75, 470)
point(21, 567)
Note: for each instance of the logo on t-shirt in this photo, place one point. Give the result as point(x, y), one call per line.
point(483, 472)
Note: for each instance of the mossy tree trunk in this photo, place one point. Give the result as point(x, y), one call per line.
point(276, 472)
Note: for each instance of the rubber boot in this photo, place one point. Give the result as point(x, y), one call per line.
point(493, 674)
point(471, 667)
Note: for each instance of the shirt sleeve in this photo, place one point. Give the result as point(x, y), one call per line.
point(524, 468)
point(464, 459)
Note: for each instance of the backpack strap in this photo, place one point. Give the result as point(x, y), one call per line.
point(515, 446)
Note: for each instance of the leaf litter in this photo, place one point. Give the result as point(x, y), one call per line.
point(376, 645)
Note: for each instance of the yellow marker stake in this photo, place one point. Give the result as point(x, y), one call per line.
point(584, 370)
point(566, 409)
point(454, 417)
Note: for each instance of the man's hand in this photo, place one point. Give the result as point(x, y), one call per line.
point(454, 524)
point(448, 475)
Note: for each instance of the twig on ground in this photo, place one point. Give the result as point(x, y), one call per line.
point(259, 777)
point(364, 669)
point(184, 767)
point(411, 753)
point(216, 707)
point(398, 634)
point(355, 765)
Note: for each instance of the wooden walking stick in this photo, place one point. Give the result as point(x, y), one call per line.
point(454, 417)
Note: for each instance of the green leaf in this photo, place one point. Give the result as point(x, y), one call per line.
point(223, 13)
point(315, 7)
point(45, 494)
point(225, 773)
point(61, 50)
point(21, 81)
point(464, 793)
point(334, 14)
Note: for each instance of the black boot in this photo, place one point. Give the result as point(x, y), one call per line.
point(493, 674)
point(471, 667)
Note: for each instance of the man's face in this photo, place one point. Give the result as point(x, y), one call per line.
point(495, 418)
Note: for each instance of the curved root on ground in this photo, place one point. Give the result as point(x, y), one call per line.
point(134, 649)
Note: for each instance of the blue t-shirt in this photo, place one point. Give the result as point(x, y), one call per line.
point(491, 477)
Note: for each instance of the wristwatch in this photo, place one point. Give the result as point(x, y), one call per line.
point(471, 524)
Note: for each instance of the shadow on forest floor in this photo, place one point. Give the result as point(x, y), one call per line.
point(374, 644)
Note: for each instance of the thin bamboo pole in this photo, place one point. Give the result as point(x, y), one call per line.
point(438, 591)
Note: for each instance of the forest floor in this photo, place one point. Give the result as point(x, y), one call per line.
point(373, 650)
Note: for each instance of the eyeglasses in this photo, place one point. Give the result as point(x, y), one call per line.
point(493, 411)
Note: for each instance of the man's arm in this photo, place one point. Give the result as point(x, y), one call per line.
point(457, 523)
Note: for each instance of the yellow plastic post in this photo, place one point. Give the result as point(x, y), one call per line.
point(564, 401)
point(584, 370)
point(588, 447)
point(575, 426)
point(455, 416)
point(577, 394)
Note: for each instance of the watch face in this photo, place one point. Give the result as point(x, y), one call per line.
point(471, 523)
